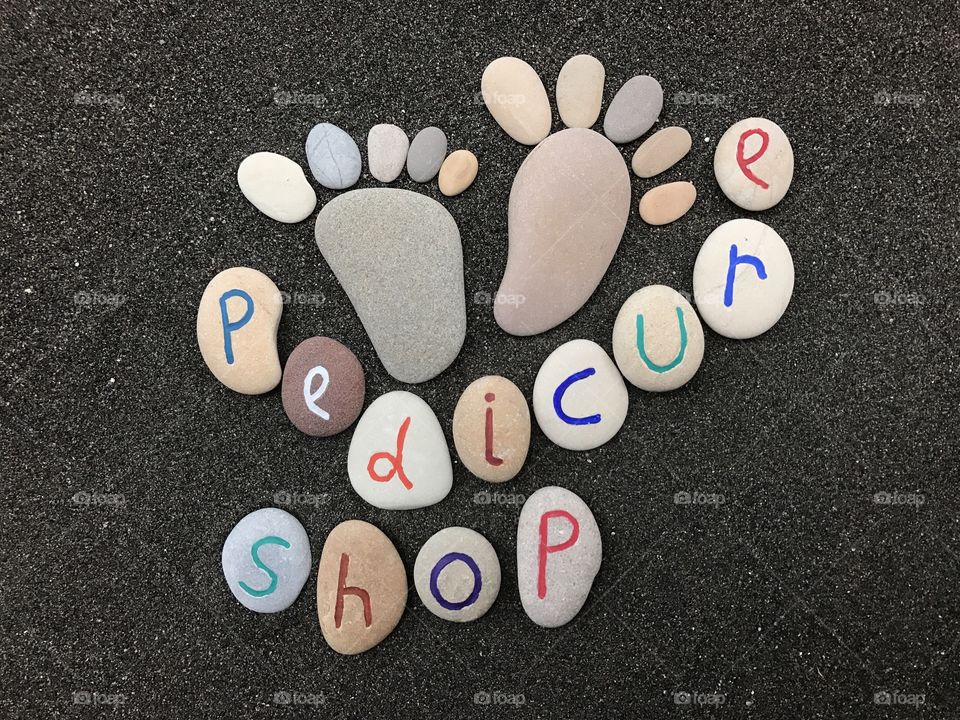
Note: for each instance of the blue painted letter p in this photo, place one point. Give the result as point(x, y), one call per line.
point(231, 327)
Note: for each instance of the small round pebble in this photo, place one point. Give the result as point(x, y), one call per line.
point(237, 324)
point(276, 186)
point(559, 551)
point(333, 156)
point(426, 154)
point(743, 279)
point(457, 574)
point(491, 428)
point(514, 94)
point(580, 91)
point(579, 398)
point(657, 339)
point(665, 203)
point(753, 163)
point(266, 560)
point(323, 387)
point(634, 109)
point(661, 151)
point(458, 172)
point(387, 147)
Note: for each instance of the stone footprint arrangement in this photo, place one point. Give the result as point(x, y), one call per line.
point(398, 256)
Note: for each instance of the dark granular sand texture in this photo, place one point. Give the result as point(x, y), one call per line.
point(823, 585)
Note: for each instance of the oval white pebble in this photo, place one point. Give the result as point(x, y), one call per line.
point(398, 457)
point(743, 278)
point(514, 94)
point(457, 574)
point(579, 398)
point(559, 551)
point(753, 163)
point(276, 186)
point(387, 147)
point(657, 339)
point(266, 560)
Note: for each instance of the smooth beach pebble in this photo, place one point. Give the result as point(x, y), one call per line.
point(559, 551)
point(457, 574)
point(561, 238)
point(398, 256)
point(266, 560)
point(333, 156)
point(753, 163)
point(514, 94)
point(657, 339)
point(579, 398)
point(634, 109)
point(387, 147)
point(398, 457)
point(743, 279)
point(666, 203)
point(361, 587)
point(661, 151)
point(276, 186)
point(491, 428)
point(426, 154)
point(458, 172)
point(323, 387)
point(237, 330)
point(580, 91)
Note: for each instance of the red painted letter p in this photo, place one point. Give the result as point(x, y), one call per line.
point(546, 549)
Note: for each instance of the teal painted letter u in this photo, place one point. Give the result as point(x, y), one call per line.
point(643, 352)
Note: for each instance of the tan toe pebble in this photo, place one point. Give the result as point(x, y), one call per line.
point(237, 330)
point(661, 151)
point(666, 203)
point(580, 91)
point(458, 172)
point(514, 94)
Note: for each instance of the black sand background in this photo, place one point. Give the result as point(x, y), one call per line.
point(798, 597)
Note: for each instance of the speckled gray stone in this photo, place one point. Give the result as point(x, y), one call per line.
point(333, 156)
point(266, 560)
point(571, 561)
point(634, 109)
point(398, 256)
point(426, 154)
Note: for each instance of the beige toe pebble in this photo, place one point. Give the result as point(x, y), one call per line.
point(580, 91)
point(661, 151)
point(458, 172)
point(515, 96)
point(666, 203)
